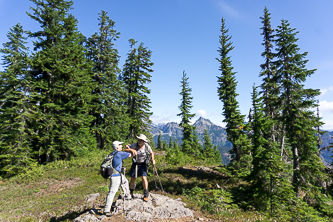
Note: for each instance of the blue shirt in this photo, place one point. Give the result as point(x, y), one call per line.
point(118, 161)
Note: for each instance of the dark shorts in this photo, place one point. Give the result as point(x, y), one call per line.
point(142, 170)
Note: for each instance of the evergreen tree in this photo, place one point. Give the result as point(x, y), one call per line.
point(175, 144)
point(189, 144)
point(269, 86)
point(272, 190)
point(16, 112)
point(232, 117)
point(210, 152)
point(164, 145)
point(170, 143)
point(159, 141)
point(61, 83)
point(267, 71)
point(110, 122)
point(270, 171)
point(136, 74)
point(298, 118)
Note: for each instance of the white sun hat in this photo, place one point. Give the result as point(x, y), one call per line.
point(143, 137)
point(115, 144)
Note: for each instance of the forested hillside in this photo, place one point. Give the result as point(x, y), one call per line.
point(67, 97)
point(219, 137)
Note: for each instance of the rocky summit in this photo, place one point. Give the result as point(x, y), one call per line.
point(158, 208)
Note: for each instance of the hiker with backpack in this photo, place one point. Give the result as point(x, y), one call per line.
point(111, 168)
point(140, 164)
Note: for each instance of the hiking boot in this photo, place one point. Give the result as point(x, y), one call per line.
point(145, 195)
point(131, 193)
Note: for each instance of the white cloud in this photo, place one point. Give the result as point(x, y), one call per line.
point(227, 8)
point(325, 107)
point(324, 91)
point(326, 112)
point(202, 113)
point(328, 123)
point(165, 117)
point(221, 124)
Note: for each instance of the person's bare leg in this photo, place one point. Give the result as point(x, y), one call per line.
point(132, 182)
point(145, 183)
point(145, 188)
point(131, 187)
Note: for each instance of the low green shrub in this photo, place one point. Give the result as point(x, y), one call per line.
point(211, 201)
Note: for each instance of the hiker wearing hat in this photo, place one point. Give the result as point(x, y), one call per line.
point(115, 178)
point(140, 164)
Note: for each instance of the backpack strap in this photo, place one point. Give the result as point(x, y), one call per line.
point(146, 148)
point(113, 159)
point(115, 152)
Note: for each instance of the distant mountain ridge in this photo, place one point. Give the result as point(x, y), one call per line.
point(172, 129)
point(219, 136)
point(217, 133)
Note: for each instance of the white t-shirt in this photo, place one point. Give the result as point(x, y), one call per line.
point(141, 153)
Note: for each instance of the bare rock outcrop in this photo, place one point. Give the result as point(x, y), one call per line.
point(158, 208)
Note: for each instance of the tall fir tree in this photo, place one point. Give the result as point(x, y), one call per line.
point(16, 112)
point(61, 83)
point(267, 70)
point(269, 86)
point(136, 74)
point(271, 189)
point(227, 94)
point(107, 106)
point(164, 145)
point(159, 141)
point(175, 144)
point(270, 171)
point(170, 143)
point(189, 144)
point(298, 118)
point(210, 152)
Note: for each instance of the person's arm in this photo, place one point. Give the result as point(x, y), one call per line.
point(152, 157)
point(129, 150)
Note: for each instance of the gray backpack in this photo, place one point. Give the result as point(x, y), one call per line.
point(147, 160)
point(106, 167)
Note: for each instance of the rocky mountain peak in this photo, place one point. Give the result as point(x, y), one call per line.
point(201, 124)
point(203, 121)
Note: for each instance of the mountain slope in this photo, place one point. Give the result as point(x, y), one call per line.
point(219, 137)
point(172, 129)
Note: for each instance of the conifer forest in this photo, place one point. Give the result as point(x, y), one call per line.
point(67, 96)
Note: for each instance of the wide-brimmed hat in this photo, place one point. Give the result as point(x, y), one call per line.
point(115, 144)
point(143, 137)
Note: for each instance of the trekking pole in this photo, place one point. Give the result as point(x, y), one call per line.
point(124, 192)
point(158, 177)
point(125, 188)
point(155, 178)
point(120, 186)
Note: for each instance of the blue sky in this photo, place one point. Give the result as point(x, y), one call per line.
point(183, 35)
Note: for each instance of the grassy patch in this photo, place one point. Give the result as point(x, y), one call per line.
point(52, 191)
point(58, 191)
